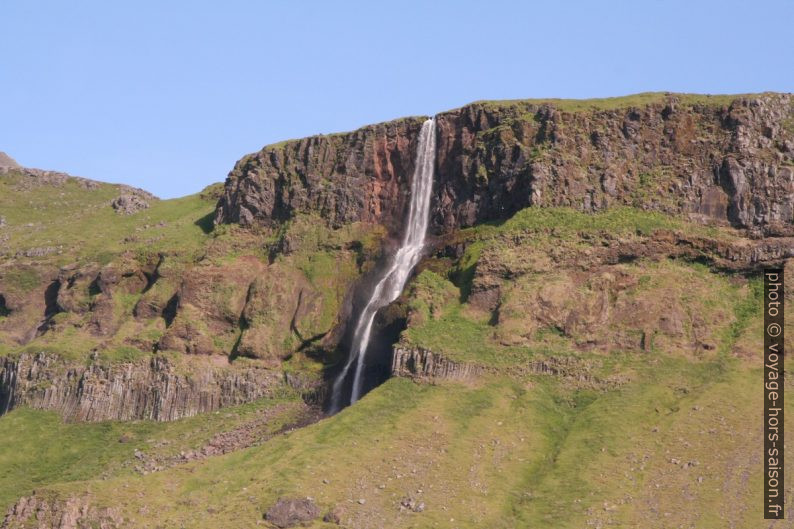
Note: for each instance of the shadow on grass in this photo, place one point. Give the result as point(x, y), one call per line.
point(206, 223)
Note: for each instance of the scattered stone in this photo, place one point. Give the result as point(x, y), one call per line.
point(410, 504)
point(125, 438)
point(40, 251)
point(362, 501)
point(334, 515)
point(291, 512)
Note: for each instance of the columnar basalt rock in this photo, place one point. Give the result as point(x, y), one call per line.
point(425, 365)
point(155, 389)
point(717, 161)
point(422, 363)
point(75, 512)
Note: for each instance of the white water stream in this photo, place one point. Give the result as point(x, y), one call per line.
point(399, 269)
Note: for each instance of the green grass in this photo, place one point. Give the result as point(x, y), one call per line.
point(21, 278)
point(122, 353)
point(588, 428)
point(568, 222)
point(38, 449)
point(616, 103)
point(502, 453)
point(444, 321)
point(81, 224)
point(71, 344)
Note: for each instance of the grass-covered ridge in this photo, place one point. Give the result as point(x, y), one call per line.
point(616, 103)
point(566, 105)
point(78, 222)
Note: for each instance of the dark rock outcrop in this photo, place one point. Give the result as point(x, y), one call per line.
point(361, 175)
point(712, 161)
point(425, 365)
point(149, 389)
point(421, 363)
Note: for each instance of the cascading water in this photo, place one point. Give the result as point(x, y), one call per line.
point(396, 273)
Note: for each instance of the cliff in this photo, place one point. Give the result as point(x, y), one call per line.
point(357, 176)
point(49, 513)
point(153, 389)
point(421, 363)
point(726, 159)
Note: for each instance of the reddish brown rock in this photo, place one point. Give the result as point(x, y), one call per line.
point(348, 177)
point(714, 162)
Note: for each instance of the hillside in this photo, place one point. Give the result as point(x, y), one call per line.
point(579, 347)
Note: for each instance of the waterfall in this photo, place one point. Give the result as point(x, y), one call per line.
point(400, 266)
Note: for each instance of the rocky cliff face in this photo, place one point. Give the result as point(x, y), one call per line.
point(724, 160)
point(422, 363)
point(50, 513)
point(155, 389)
point(357, 176)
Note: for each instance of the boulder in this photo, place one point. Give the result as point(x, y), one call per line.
point(128, 203)
point(291, 512)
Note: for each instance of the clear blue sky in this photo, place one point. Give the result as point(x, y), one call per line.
point(166, 95)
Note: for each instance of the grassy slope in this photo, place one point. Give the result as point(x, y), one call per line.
point(81, 222)
point(506, 453)
point(37, 448)
point(467, 335)
point(84, 228)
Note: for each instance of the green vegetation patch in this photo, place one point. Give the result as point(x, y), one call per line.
point(616, 103)
point(21, 278)
point(38, 449)
point(73, 222)
point(504, 453)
